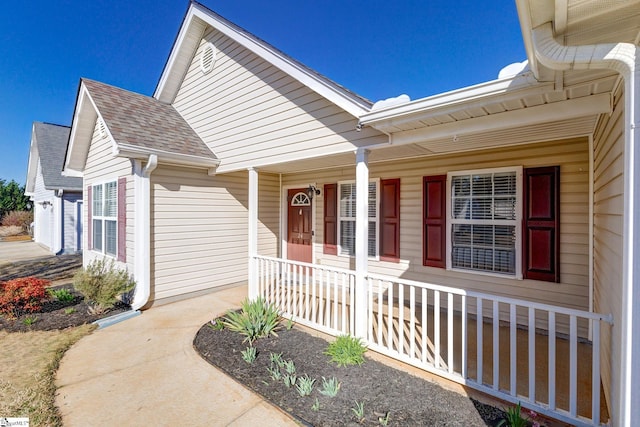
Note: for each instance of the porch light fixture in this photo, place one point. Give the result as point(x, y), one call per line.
point(312, 190)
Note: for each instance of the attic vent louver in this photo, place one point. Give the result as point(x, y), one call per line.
point(102, 128)
point(207, 58)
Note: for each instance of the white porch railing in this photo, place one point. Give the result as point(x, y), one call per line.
point(313, 295)
point(517, 350)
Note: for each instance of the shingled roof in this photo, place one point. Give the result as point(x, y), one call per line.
point(143, 122)
point(51, 143)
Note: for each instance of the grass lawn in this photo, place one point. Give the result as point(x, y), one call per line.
point(28, 363)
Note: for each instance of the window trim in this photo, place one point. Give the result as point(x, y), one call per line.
point(517, 222)
point(340, 218)
point(104, 219)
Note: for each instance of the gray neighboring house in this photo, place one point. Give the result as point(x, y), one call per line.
point(57, 199)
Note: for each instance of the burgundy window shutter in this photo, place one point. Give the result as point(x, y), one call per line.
point(122, 219)
point(330, 246)
point(435, 221)
point(89, 219)
point(542, 224)
point(390, 220)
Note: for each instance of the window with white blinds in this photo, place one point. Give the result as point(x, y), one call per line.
point(484, 221)
point(105, 218)
point(347, 218)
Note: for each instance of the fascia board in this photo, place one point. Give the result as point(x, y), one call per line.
point(33, 163)
point(77, 139)
point(333, 93)
point(132, 152)
point(573, 108)
point(510, 88)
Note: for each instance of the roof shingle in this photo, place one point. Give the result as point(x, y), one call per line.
point(52, 145)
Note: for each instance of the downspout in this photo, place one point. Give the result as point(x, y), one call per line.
point(142, 234)
point(623, 58)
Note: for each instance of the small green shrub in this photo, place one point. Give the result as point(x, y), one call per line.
point(69, 310)
point(62, 294)
point(29, 320)
point(289, 380)
point(276, 359)
point(330, 387)
point(316, 406)
point(384, 421)
point(305, 385)
point(274, 373)
point(216, 324)
point(358, 411)
point(514, 418)
point(249, 354)
point(256, 319)
point(346, 350)
point(23, 295)
point(101, 282)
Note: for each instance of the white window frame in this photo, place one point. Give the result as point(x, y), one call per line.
point(104, 218)
point(517, 222)
point(375, 219)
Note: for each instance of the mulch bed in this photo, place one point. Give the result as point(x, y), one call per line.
point(58, 315)
point(409, 400)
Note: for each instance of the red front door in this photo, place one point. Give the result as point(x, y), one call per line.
point(299, 226)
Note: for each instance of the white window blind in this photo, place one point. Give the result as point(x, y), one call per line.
point(484, 219)
point(347, 218)
point(105, 217)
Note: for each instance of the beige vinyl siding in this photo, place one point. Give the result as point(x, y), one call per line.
point(199, 231)
point(571, 155)
point(268, 214)
point(608, 148)
point(252, 114)
point(103, 166)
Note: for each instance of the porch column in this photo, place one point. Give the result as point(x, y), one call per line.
point(253, 233)
point(362, 239)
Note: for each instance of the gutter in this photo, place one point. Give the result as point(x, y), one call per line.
point(625, 59)
point(142, 233)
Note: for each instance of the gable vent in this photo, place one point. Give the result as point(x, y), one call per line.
point(207, 58)
point(102, 128)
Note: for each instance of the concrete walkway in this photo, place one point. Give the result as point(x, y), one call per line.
point(21, 250)
point(145, 371)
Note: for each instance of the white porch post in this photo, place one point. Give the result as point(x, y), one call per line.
point(362, 239)
point(253, 233)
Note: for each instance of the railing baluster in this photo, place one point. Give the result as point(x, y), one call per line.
point(380, 296)
point(400, 318)
point(496, 344)
point(327, 306)
point(314, 301)
point(306, 293)
point(552, 360)
point(513, 367)
point(344, 322)
point(352, 316)
point(573, 366)
point(532, 354)
point(479, 336)
point(412, 322)
point(463, 335)
point(321, 298)
point(450, 331)
point(368, 281)
point(335, 300)
point(595, 373)
point(436, 327)
point(390, 316)
point(424, 345)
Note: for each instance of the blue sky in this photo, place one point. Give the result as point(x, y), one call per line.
point(376, 48)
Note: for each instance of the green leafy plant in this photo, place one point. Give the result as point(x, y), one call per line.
point(289, 324)
point(289, 380)
point(346, 350)
point(274, 373)
point(384, 420)
point(316, 405)
point(69, 310)
point(514, 418)
point(276, 359)
point(29, 320)
point(330, 386)
point(23, 295)
point(101, 282)
point(216, 324)
point(305, 385)
point(249, 354)
point(289, 367)
point(358, 411)
point(62, 294)
point(255, 320)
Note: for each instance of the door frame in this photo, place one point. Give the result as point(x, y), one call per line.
point(284, 220)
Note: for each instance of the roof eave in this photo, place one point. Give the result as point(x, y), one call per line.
point(85, 114)
point(33, 163)
point(166, 157)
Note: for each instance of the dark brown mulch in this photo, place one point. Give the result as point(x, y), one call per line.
point(50, 268)
point(58, 315)
point(409, 400)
